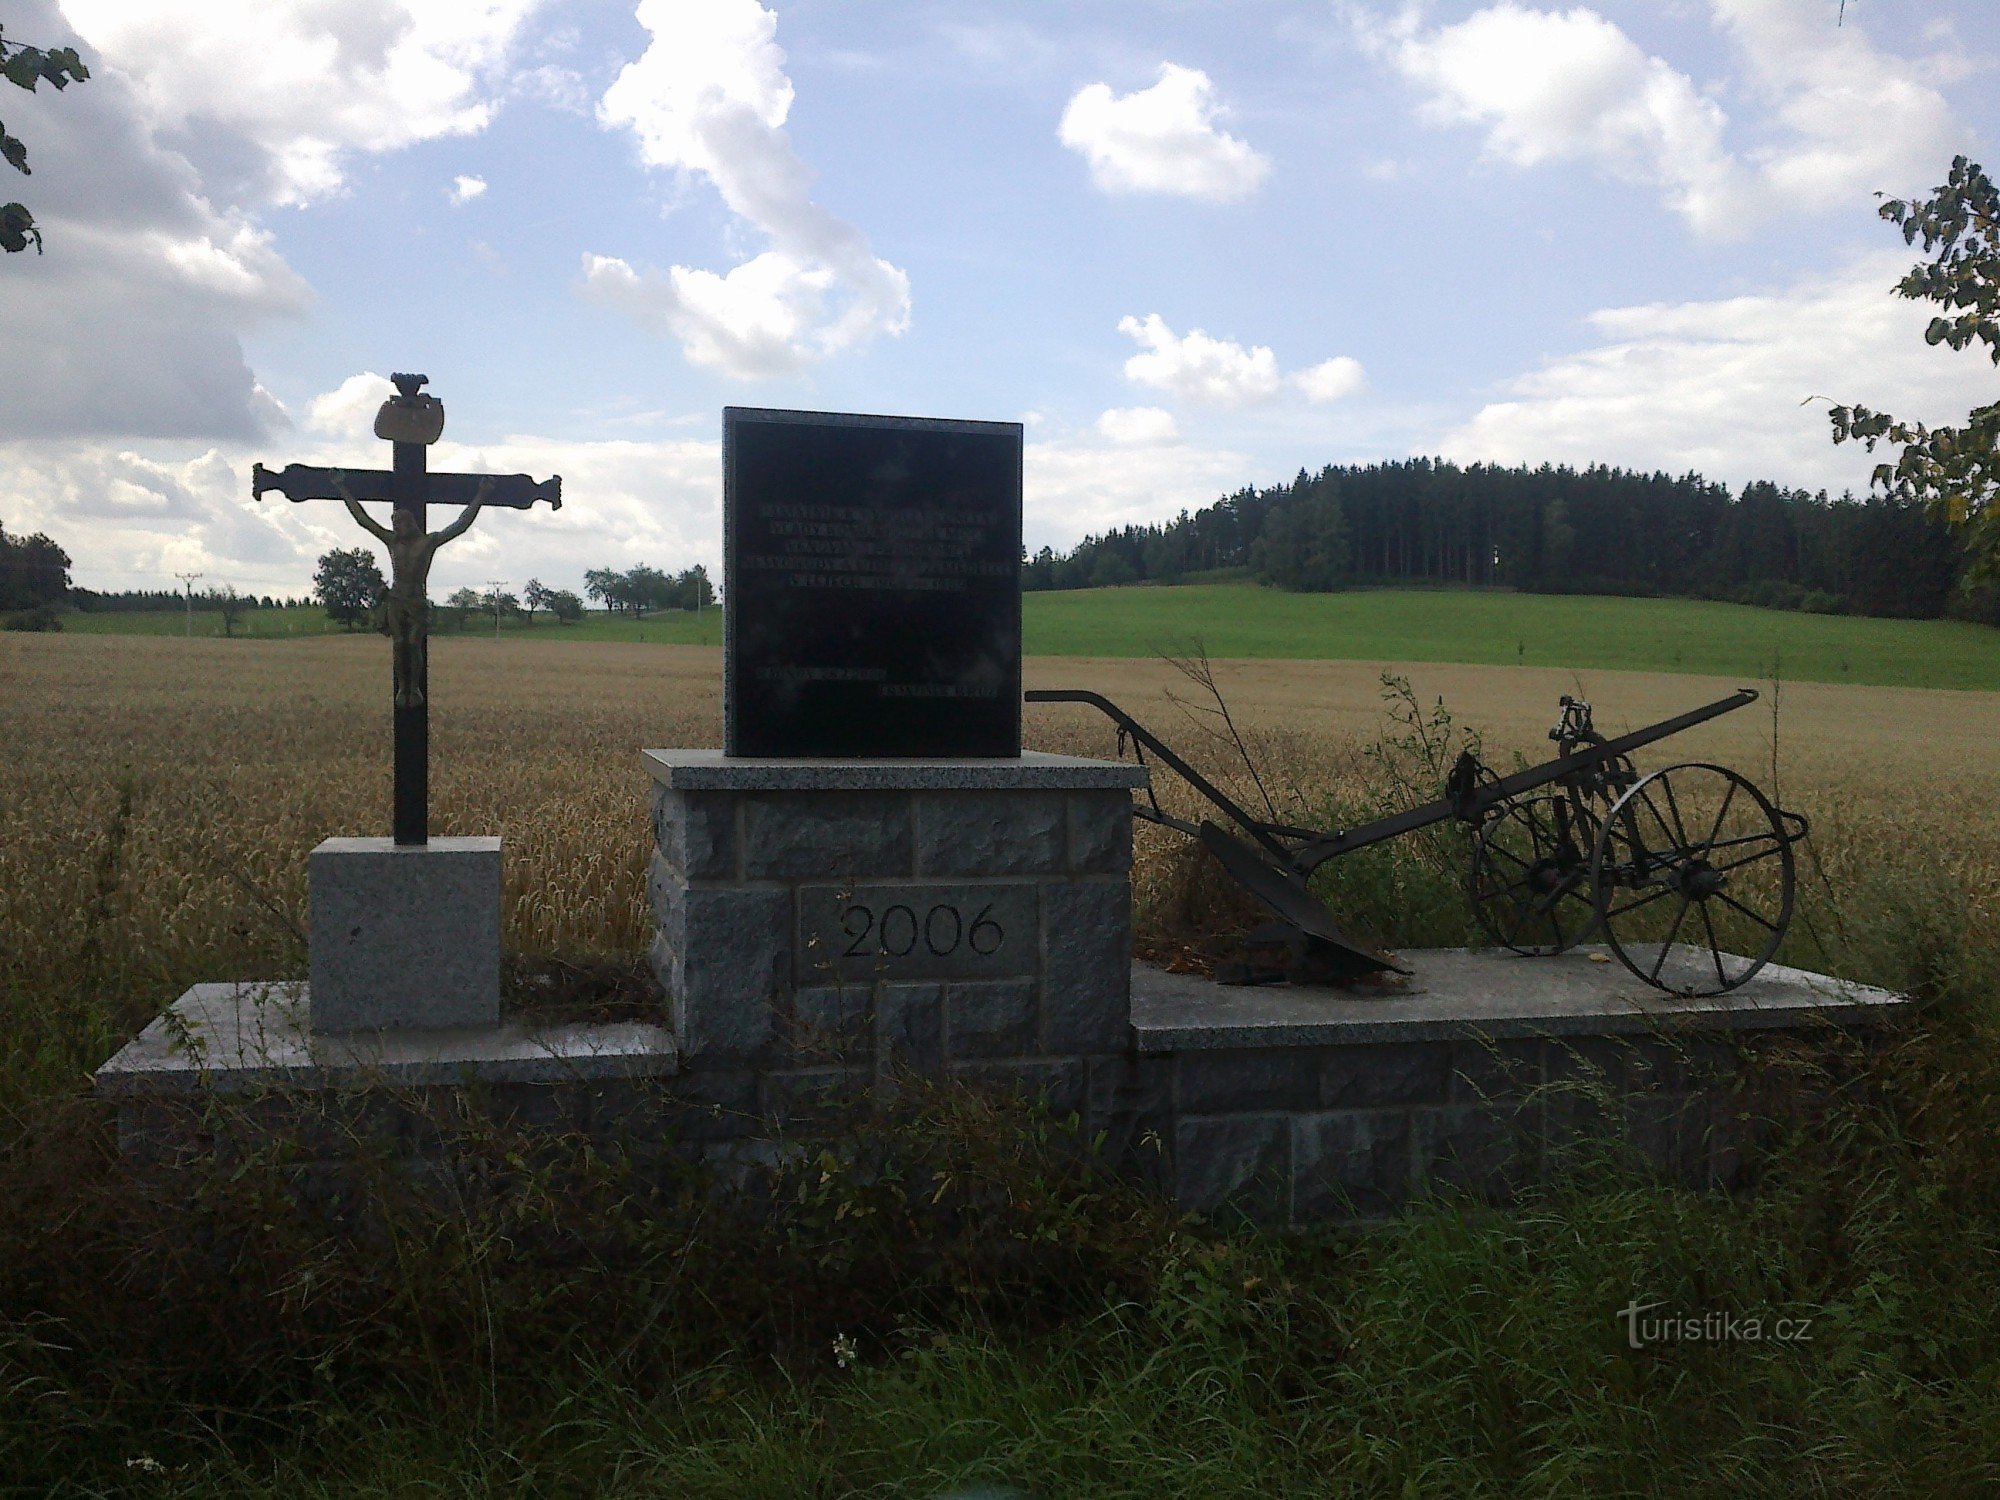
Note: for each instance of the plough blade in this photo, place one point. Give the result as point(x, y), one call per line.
point(1322, 954)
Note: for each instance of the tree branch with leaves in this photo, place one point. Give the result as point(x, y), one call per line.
point(1952, 470)
point(25, 67)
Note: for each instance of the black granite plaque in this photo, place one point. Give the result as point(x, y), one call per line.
point(871, 585)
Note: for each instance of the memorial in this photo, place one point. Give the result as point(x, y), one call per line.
point(874, 880)
point(871, 579)
point(872, 869)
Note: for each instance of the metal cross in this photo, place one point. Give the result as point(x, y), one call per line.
point(411, 421)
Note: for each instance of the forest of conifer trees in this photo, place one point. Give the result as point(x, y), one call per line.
point(1548, 530)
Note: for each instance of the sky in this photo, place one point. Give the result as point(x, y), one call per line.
point(1191, 246)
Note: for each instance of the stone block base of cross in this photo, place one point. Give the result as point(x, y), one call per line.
point(406, 931)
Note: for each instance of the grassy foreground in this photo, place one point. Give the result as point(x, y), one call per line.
point(978, 1308)
point(1240, 620)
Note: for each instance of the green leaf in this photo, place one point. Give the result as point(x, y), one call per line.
point(17, 227)
point(59, 66)
point(24, 68)
point(15, 151)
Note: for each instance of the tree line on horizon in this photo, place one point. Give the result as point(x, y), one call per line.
point(640, 588)
point(1551, 529)
point(347, 582)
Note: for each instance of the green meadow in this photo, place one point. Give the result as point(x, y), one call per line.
point(1482, 627)
point(1488, 627)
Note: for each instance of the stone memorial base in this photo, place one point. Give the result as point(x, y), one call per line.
point(404, 936)
point(1482, 1072)
point(821, 921)
point(827, 928)
point(255, 1045)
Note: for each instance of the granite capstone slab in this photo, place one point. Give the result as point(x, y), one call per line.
point(1475, 995)
point(235, 1037)
point(1032, 770)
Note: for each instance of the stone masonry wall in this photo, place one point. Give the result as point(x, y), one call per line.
point(813, 942)
point(1352, 1133)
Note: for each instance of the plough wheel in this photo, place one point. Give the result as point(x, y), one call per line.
point(1692, 878)
point(1530, 877)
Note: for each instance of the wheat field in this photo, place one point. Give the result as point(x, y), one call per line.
point(158, 796)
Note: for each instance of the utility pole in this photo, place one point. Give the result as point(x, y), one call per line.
point(187, 583)
point(496, 584)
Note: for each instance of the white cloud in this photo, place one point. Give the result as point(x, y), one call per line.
point(148, 181)
point(348, 410)
point(465, 189)
point(554, 87)
point(132, 519)
point(1072, 489)
point(1551, 86)
point(1138, 426)
point(708, 97)
point(276, 95)
point(1331, 380)
point(1161, 140)
point(1554, 86)
point(1197, 368)
point(1718, 386)
point(130, 325)
point(761, 318)
point(1855, 119)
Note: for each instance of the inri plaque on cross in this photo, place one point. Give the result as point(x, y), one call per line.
point(411, 421)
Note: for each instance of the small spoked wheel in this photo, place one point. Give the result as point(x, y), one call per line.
point(1692, 879)
point(1530, 877)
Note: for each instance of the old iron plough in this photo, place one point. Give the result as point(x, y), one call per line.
point(1686, 873)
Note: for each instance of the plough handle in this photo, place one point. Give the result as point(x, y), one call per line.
point(1472, 803)
point(1469, 803)
point(1260, 831)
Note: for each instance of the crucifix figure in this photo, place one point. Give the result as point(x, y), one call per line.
point(411, 421)
point(411, 549)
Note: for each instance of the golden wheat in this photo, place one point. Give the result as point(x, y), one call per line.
point(158, 796)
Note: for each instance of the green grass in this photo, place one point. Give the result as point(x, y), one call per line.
point(1584, 632)
point(675, 627)
point(263, 624)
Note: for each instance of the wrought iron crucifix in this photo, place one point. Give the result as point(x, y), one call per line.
point(411, 421)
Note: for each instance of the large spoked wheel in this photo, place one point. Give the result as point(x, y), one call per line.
point(1692, 879)
point(1530, 877)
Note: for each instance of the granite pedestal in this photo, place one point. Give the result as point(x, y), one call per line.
point(404, 935)
point(822, 922)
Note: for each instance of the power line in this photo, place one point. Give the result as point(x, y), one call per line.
point(187, 580)
point(495, 585)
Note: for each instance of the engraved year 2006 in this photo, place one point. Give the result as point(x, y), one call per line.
point(898, 930)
